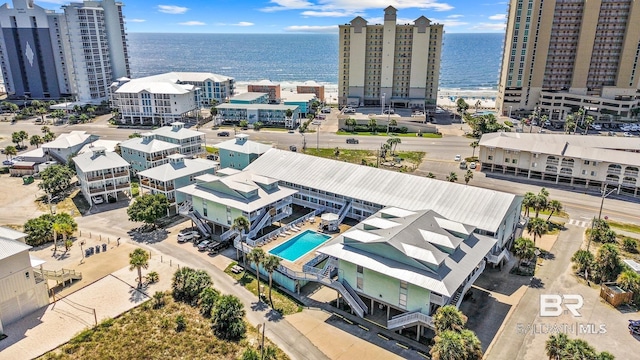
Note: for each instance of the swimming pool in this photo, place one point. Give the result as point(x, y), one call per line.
point(301, 244)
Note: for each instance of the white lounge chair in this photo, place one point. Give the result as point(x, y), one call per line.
point(294, 229)
point(312, 219)
point(283, 235)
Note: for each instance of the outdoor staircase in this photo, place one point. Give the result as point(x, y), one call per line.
point(60, 276)
point(202, 226)
point(410, 319)
point(344, 211)
point(355, 296)
point(258, 225)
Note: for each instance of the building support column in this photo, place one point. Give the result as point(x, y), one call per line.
point(338, 299)
point(388, 312)
point(418, 333)
point(557, 178)
point(529, 174)
point(372, 306)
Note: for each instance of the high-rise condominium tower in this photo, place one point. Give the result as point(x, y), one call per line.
point(393, 64)
point(49, 55)
point(563, 55)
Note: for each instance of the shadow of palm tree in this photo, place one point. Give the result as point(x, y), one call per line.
point(536, 283)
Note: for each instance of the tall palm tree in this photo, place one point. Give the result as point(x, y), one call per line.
point(384, 149)
point(524, 249)
point(555, 344)
point(139, 259)
point(448, 345)
point(393, 142)
point(541, 201)
point(474, 145)
point(257, 256)
point(452, 177)
point(270, 264)
point(449, 318)
point(554, 206)
point(527, 202)
point(537, 227)
point(10, 151)
point(241, 224)
point(393, 123)
point(472, 345)
point(588, 120)
point(350, 123)
point(36, 140)
point(373, 124)
point(468, 176)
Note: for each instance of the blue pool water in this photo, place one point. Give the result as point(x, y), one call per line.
point(301, 244)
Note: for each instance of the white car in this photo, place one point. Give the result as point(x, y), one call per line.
point(627, 134)
point(458, 158)
point(634, 127)
point(187, 236)
point(97, 199)
point(596, 127)
point(472, 165)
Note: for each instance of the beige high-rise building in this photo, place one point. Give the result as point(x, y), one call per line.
point(398, 65)
point(563, 55)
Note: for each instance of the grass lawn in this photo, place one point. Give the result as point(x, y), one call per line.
point(74, 203)
point(211, 149)
point(562, 214)
point(281, 301)
point(410, 159)
point(624, 226)
point(148, 333)
point(135, 188)
point(424, 135)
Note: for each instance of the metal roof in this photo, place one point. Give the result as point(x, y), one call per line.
point(403, 252)
point(148, 145)
point(482, 208)
point(10, 247)
point(8, 233)
point(177, 131)
point(241, 182)
point(109, 145)
point(249, 96)
point(154, 87)
point(619, 150)
point(99, 160)
point(176, 170)
point(240, 145)
point(257, 106)
point(64, 141)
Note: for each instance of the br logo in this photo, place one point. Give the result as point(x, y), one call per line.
point(555, 305)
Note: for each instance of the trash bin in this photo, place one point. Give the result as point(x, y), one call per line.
point(27, 179)
point(104, 247)
point(97, 249)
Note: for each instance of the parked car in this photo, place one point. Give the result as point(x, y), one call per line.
point(389, 112)
point(184, 237)
point(463, 164)
point(293, 148)
point(352, 141)
point(627, 134)
point(97, 199)
point(458, 158)
point(596, 127)
point(326, 110)
point(204, 245)
point(472, 165)
point(223, 133)
point(290, 131)
point(7, 162)
point(349, 110)
point(634, 127)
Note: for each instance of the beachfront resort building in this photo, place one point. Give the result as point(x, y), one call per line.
point(562, 55)
point(391, 64)
point(21, 292)
point(311, 87)
point(153, 101)
point(49, 55)
point(67, 145)
point(250, 98)
point(268, 87)
point(102, 175)
point(268, 114)
point(419, 243)
point(240, 152)
point(178, 172)
point(580, 161)
point(146, 152)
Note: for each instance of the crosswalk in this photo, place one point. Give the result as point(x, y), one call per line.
point(579, 223)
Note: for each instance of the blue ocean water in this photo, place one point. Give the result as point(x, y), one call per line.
point(469, 61)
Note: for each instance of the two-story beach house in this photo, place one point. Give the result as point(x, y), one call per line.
point(191, 142)
point(581, 161)
point(178, 172)
point(21, 291)
point(213, 202)
point(146, 152)
point(67, 145)
point(240, 152)
point(102, 175)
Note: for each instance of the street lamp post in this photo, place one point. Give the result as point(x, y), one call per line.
point(318, 137)
point(604, 195)
point(388, 118)
point(510, 108)
point(382, 103)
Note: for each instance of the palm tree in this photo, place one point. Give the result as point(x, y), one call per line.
point(448, 345)
point(393, 123)
point(554, 206)
point(431, 175)
point(448, 318)
point(139, 259)
point(45, 129)
point(10, 151)
point(452, 177)
point(270, 264)
point(629, 280)
point(48, 137)
point(537, 227)
point(373, 125)
point(241, 224)
point(257, 256)
point(351, 124)
point(60, 228)
point(477, 105)
point(393, 142)
point(524, 249)
point(555, 344)
point(472, 345)
point(468, 176)
point(588, 120)
point(541, 201)
point(474, 145)
point(527, 202)
point(36, 140)
point(384, 149)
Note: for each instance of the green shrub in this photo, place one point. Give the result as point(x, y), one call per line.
point(181, 323)
point(630, 245)
point(508, 123)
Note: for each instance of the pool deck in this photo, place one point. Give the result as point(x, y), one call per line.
point(297, 265)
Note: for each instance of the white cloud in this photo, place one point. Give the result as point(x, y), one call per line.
point(454, 16)
point(172, 9)
point(311, 13)
point(312, 29)
point(354, 5)
point(498, 17)
point(59, 2)
point(448, 22)
point(243, 23)
point(136, 20)
point(192, 23)
point(489, 26)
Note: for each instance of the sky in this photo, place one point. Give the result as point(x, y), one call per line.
point(300, 16)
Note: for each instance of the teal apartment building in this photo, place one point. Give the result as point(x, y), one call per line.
point(146, 152)
point(240, 152)
point(304, 102)
point(191, 142)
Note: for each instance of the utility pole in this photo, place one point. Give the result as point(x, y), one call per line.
point(604, 195)
point(318, 137)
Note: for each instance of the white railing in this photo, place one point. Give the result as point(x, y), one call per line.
point(438, 299)
point(344, 211)
point(310, 265)
point(355, 296)
point(495, 259)
point(227, 234)
point(409, 319)
point(265, 217)
point(185, 207)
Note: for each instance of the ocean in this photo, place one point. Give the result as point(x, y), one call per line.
point(469, 61)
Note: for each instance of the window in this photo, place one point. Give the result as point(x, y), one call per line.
point(402, 302)
point(490, 157)
point(359, 277)
point(586, 162)
point(514, 161)
point(584, 172)
point(594, 173)
point(534, 165)
point(506, 160)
